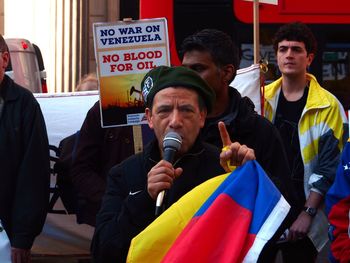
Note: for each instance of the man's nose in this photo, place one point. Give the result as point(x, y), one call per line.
point(176, 119)
point(289, 52)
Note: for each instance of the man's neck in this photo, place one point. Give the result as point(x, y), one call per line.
point(1, 83)
point(221, 103)
point(293, 88)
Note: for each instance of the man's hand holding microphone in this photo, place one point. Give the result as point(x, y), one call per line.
point(162, 175)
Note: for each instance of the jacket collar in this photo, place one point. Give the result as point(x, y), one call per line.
point(8, 93)
point(230, 113)
point(315, 99)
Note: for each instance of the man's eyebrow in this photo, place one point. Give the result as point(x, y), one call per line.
point(289, 46)
point(194, 65)
point(186, 105)
point(164, 106)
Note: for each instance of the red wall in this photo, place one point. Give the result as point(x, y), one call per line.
point(307, 11)
point(162, 8)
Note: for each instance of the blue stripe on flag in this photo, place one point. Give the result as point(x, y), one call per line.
point(249, 178)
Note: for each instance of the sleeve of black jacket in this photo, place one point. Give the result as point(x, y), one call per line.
point(32, 185)
point(122, 216)
point(87, 166)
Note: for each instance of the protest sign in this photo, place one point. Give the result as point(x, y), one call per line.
point(125, 51)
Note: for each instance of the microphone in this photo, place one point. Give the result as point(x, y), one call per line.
point(171, 144)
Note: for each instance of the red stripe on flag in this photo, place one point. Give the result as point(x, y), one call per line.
point(226, 224)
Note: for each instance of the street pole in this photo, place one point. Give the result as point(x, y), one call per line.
point(256, 32)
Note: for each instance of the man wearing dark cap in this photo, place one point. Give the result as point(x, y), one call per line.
point(177, 100)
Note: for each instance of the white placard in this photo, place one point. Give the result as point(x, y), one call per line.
point(125, 51)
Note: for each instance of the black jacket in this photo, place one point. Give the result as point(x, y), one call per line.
point(247, 127)
point(24, 165)
point(127, 207)
point(98, 150)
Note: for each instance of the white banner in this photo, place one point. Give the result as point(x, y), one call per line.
point(64, 113)
point(247, 82)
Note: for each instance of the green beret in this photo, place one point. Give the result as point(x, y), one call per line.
point(164, 77)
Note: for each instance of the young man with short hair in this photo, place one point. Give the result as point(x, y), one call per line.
point(311, 122)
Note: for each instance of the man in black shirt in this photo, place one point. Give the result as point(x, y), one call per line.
point(214, 56)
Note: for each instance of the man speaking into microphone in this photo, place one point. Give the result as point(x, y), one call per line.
point(177, 102)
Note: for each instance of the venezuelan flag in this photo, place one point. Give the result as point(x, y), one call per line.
point(337, 208)
point(226, 219)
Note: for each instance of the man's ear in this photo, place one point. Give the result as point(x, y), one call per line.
point(203, 116)
point(6, 59)
point(311, 57)
point(228, 73)
point(148, 113)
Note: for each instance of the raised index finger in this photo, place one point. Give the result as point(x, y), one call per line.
point(225, 137)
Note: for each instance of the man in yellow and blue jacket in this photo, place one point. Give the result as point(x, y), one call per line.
point(312, 124)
